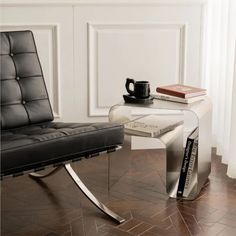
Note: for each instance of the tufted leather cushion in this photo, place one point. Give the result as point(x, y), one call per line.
point(24, 98)
point(29, 140)
point(43, 144)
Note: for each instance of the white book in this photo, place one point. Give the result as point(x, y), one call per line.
point(166, 97)
point(153, 125)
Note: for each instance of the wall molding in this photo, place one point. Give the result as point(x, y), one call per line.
point(91, 98)
point(95, 28)
point(55, 80)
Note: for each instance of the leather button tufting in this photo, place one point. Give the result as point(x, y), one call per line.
point(20, 64)
point(24, 102)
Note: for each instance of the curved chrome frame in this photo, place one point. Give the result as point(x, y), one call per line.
point(83, 188)
point(40, 176)
point(90, 196)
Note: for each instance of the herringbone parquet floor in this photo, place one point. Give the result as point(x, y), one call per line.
point(54, 206)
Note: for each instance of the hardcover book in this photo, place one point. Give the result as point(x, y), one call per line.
point(170, 98)
point(153, 125)
point(186, 171)
point(181, 91)
point(191, 173)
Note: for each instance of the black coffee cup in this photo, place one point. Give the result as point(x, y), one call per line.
point(141, 88)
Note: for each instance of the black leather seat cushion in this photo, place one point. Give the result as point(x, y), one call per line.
point(38, 145)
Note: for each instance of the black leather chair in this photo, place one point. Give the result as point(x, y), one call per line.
point(30, 140)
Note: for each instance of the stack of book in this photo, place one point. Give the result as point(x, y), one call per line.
point(180, 93)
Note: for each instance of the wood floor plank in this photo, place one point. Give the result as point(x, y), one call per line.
point(55, 207)
point(128, 225)
point(140, 228)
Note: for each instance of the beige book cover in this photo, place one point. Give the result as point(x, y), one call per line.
point(153, 125)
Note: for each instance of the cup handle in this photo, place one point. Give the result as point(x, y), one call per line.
point(128, 82)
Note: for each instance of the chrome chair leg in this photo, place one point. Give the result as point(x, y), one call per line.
point(40, 176)
point(90, 196)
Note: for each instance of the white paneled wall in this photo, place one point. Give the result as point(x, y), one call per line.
point(53, 30)
point(117, 51)
point(88, 48)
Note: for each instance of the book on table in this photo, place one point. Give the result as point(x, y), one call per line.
point(181, 91)
point(153, 125)
point(170, 98)
point(187, 169)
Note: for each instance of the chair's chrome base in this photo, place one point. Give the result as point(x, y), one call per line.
point(40, 176)
point(83, 188)
point(90, 196)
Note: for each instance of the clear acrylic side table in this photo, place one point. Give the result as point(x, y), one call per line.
point(173, 141)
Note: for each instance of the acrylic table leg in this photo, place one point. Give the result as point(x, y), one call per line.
point(173, 141)
point(119, 162)
point(204, 146)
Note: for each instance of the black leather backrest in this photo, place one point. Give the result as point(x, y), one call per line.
point(24, 98)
